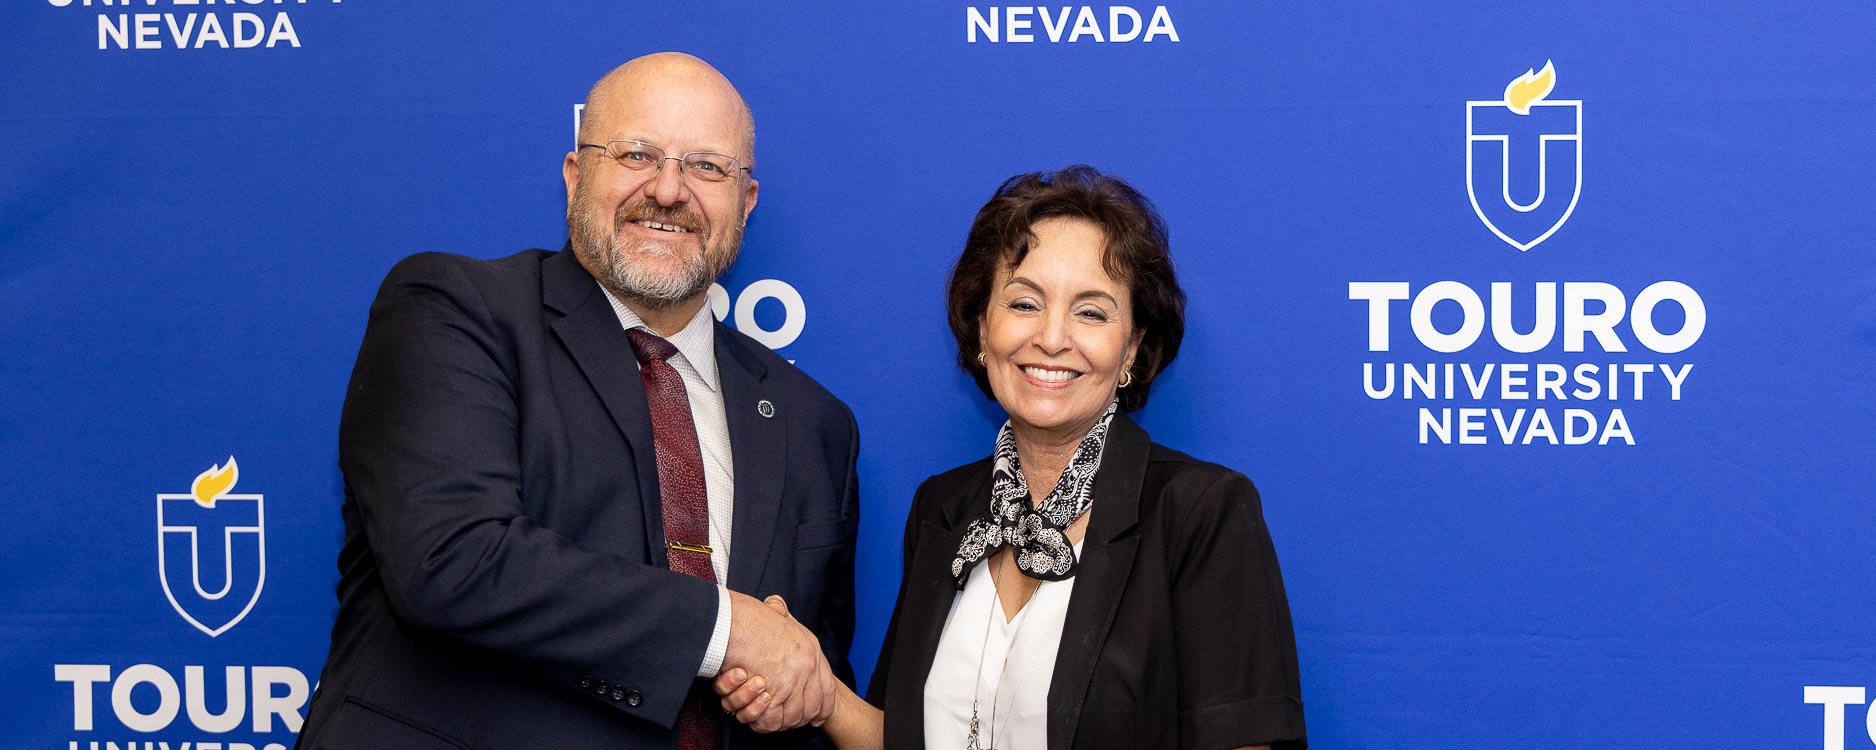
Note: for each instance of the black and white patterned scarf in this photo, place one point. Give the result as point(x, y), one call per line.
point(1042, 547)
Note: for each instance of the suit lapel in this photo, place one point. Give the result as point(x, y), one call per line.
point(597, 343)
point(1106, 561)
point(758, 454)
point(929, 593)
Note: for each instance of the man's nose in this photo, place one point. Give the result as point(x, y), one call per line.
point(667, 185)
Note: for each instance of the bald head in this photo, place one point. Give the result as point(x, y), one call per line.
point(668, 82)
point(653, 233)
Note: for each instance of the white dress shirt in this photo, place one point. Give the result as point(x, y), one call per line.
point(1017, 658)
point(696, 362)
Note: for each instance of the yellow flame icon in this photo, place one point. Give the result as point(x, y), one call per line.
point(217, 481)
point(1529, 88)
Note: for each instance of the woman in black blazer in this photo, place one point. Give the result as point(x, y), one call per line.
point(1145, 580)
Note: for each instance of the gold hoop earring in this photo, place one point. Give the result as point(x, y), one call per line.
point(980, 360)
point(1126, 379)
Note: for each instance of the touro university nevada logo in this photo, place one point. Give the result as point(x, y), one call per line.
point(211, 554)
point(212, 550)
point(1533, 363)
point(1524, 159)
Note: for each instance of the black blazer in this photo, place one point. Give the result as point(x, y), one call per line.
point(503, 580)
point(1177, 634)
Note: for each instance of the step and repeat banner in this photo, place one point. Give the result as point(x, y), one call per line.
point(1547, 330)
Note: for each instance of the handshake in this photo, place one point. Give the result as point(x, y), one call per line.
point(774, 675)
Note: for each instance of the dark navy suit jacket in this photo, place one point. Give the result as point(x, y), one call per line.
point(503, 581)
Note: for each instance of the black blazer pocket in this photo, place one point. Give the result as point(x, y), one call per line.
point(816, 534)
point(357, 726)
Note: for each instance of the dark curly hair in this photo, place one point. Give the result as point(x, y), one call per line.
point(1136, 254)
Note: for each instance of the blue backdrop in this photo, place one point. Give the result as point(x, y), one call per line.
point(1647, 530)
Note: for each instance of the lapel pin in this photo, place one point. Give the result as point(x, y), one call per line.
point(766, 409)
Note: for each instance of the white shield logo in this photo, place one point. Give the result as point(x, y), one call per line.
point(1524, 153)
point(211, 551)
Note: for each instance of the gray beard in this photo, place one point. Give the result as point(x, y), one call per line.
point(635, 284)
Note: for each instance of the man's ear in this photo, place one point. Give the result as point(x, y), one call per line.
point(749, 198)
point(570, 172)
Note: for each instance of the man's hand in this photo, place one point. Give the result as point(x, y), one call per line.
point(795, 675)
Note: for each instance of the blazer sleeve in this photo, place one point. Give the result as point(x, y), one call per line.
point(430, 451)
point(1238, 681)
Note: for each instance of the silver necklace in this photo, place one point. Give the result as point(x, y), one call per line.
point(975, 739)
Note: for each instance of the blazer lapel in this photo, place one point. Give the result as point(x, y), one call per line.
point(1106, 561)
point(597, 343)
point(758, 454)
point(929, 591)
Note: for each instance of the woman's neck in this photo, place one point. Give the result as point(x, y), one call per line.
point(1045, 455)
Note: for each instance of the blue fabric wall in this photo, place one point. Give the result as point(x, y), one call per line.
point(192, 224)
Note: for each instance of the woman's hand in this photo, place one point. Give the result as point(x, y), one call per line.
point(851, 723)
point(746, 696)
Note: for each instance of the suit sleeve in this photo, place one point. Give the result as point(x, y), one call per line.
point(1238, 682)
point(430, 450)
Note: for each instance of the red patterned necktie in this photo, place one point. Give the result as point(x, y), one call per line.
point(686, 510)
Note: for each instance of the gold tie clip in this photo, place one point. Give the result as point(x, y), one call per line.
point(702, 548)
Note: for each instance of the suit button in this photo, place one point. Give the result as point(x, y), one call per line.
point(618, 694)
point(600, 687)
point(586, 682)
point(632, 698)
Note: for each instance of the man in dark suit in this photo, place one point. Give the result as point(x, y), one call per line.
point(549, 457)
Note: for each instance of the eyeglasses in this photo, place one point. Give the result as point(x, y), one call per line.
point(639, 156)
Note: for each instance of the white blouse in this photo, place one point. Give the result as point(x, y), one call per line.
point(1017, 658)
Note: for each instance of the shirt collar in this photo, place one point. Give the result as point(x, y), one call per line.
point(696, 343)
